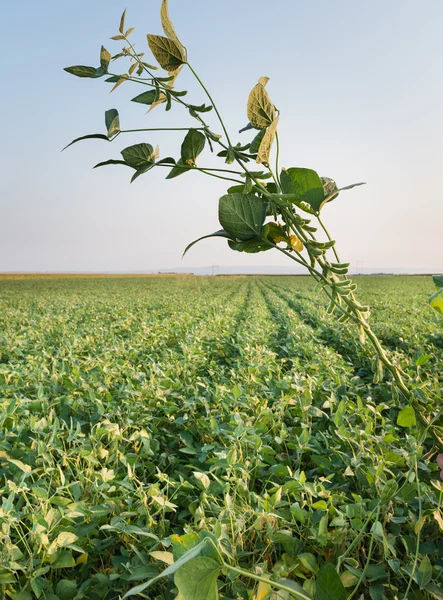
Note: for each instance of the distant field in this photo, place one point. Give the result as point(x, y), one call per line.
point(135, 408)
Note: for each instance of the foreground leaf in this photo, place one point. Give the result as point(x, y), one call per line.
point(167, 25)
point(220, 233)
point(256, 142)
point(147, 97)
point(275, 233)
point(188, 556)
point(139, 155)
point(105, 59)
point(305, 185)
point(251, 246)
point(424, 573)
point(168, 54)
point(111, 161)
point(112, 122)
point(331, 190)
point(83, 71)
point(299, 592)
point(242, 215)
point(197, 580)
point(178, 169)
point(192, 146)
point(329, 585)
point(264, 150)
point(97, 136)
point(261, 111)
point(406, 417)
point(436, 301)
point(438, 281)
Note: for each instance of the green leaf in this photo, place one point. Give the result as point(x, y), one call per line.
point(178, 169)
point(305, 185)
point(329, 585)
point(142, 171)
point(435, 590)
point(406, 417)
point(438, 281)
point(82, 71)
point(66, 589)
point(111, 161)
point(139, 155)
point(147, 97)
point(105, 59)
point(168, 54)
point(389, 491)
point(424, 573)
point(192, 146)
point(220, 233)
point(98, 136)
point(436, 301)
point(251, 246)
point(255, 145)
point(293, 585)
point(63, 559)
point(261, 111)
point(112, 122)
point(187, 556)
point(197, 580)
point(242, 215)
point(21, 596)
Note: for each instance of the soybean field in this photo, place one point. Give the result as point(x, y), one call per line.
point(141, 415)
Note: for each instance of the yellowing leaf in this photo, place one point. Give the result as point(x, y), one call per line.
point(122, 22)
point(162, 98)
point(65, 538)
point(262, 591)
point(436, 301)
point(296, 243)
point(166, 557)
point(82, 559)
point(275, 233)
point(438, 517)
point(263, 80)
point(167, 25)
point(266, 144)
point(169, 55)
point(261, 111)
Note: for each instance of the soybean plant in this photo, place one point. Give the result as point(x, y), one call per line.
point(265, 208)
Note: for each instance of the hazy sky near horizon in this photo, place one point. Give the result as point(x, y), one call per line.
point(360, 90)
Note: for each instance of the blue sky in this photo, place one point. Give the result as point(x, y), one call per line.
point(359, 86)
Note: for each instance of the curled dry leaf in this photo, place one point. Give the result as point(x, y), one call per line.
point(296, 243)
point(264, 150)
point(261, 111)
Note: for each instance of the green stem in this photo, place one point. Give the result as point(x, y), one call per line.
point(161, 129)
point(206, 171)
point(277, 158)
point(323, 226)
point(355, 541)
point(219, 176)
point(279, 586)
point(368, 559)
point(212, 102)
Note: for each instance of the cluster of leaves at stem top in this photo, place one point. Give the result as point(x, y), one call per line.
point(243, 210)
